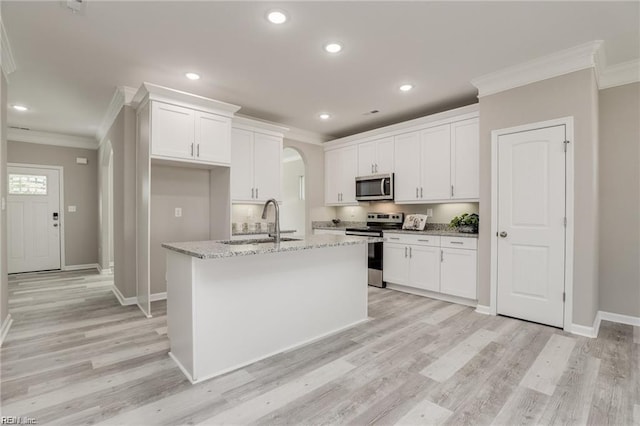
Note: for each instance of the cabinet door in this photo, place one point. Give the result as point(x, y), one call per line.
point(331, 176)
point(407, 167)
point(458, 272)
point(396, 263)
point(213, 144)
point(366, 158)
point(436, 163)
point(242, 165)
point(172, 131)
point(348, 173)
point(384, 155)
point(465, 164)
point(267, 166)
point(424, 267)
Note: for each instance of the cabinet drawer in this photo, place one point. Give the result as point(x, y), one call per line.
point(413, 239)
point(459, 242)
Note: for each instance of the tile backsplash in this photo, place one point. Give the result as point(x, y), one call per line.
point(442, 213)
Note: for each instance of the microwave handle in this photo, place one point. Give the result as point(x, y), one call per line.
point(382, 186)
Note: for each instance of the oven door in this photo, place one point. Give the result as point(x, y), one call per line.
point(378, 187)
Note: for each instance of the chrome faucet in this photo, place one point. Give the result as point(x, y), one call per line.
point(276, 236)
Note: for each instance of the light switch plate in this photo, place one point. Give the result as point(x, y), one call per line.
point(178, 212)
point(71, 209)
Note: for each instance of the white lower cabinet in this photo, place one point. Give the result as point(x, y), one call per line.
point(428, 263)
point(458, 272)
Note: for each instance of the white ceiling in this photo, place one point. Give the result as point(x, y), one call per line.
point(69, 65)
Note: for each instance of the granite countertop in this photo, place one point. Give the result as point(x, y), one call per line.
point(217, 249)
point(438, 232)
point(262, 232)
point(341, 226)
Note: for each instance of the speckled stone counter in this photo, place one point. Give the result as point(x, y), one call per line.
point(261, 232)
point(439, 232)
point(340, 226)
point(218, 249)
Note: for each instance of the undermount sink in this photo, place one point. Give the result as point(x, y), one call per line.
point(258, 241)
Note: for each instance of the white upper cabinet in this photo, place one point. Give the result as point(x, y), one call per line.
point(465, 164)
point(185, 134)
point(407, 166)
point(172, 130)
point(376, 157)
point(341, 169)
point(435, 163)
point(212, 138)
point(256, 166)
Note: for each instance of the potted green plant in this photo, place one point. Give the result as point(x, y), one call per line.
point(466, 223)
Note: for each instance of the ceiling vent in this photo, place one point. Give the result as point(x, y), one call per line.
point(76, 6)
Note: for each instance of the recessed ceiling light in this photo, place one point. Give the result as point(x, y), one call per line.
point(277, 17)
point(192, 76)
point(333, 47)
point(21, 108)
point(324, 116)
point(406, 87)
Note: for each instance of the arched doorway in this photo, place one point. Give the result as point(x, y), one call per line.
point(293, 209)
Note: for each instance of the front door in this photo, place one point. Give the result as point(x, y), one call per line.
point(33, 219)
point(531, 225)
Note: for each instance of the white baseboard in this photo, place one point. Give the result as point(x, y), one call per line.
point(81, 267)
point(585, 330)
point(124, 301)
point(105, 271)
point(158, 296)
point(432, 295)
point(4, 329)
point(619, 318)
point(483, 309)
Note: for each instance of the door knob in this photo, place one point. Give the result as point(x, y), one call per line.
point(503, 234)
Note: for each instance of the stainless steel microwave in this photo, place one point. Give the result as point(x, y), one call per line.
point(375, 187)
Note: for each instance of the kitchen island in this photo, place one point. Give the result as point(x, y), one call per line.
point(231, 303)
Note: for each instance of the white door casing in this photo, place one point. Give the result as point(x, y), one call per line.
point(530, 200)
point(34, 218)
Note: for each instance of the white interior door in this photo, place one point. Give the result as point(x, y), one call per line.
point(531, 227)
point(33, 219)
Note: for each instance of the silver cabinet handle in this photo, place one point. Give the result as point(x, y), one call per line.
point(192, 150)
point(421, 196)
point(424, 241)
point(416, 192)
point(393, 238)
point(252, 192)
point(257, 196)
point(410, 253)
point(452, 190)
point(503, 234)
point(371, 168)
point(405, 252)
point(376, 168)
point(456, 242)
point(198, 150)
point(441, 255)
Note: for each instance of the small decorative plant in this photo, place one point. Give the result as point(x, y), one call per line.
point(466, 222)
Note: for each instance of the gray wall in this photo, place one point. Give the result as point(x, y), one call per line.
point(574, 95)
point(620, 200)
point(173, 187)
point(4, 285)
point(80, 190)
point(123, 139)
point(313, 157)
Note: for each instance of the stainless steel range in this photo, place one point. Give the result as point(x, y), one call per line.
point(377, 223)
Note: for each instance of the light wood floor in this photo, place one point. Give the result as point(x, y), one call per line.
point(75, 356)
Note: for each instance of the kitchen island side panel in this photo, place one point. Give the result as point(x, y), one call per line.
point(251, 307)
point(180, 297)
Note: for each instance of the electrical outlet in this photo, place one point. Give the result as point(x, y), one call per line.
point(71, 209)
point(430, 212)
point(178, 212)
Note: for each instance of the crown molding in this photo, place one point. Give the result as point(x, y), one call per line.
point(564, 62)
point(122, 96)
point(48, 138)
point(177, 97)
point(7, 63)
point(619, 74)
point(250, 123)
point(306, 136)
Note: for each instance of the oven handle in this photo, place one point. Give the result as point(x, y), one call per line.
point(361, 234)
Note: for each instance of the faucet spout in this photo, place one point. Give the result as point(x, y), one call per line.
point(276, 234)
